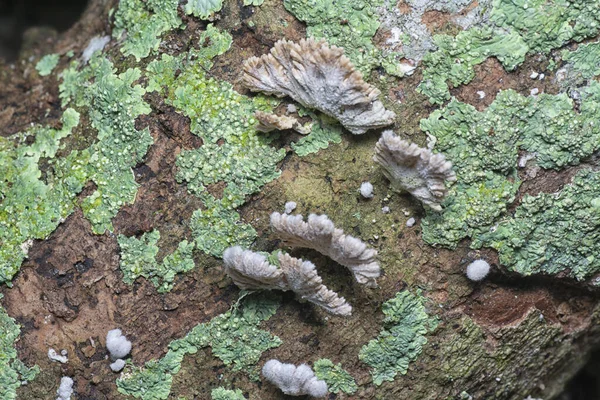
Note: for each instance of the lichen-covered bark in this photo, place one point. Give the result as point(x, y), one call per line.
point(170, 170)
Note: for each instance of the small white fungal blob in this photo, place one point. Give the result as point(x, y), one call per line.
point(54, 356)
point(481, 94)
point(294, 381)
point(291, 108)
point(118, 346)
point(385, 210)
point(478, 270)
point(534, 75)
point(411, 221)
point(366, 190)
point(290, 206)
point(534, 91)
point(542, 76)
point(65, 390)
point(97, 43)
point(117, 365)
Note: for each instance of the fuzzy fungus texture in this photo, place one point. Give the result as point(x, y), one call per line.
point(321, 77)
point(12, 370)
point(366, 190)
point(232, 151)
point(65, 390)
point(478, 270)
point(138, 258)
point(142, 23)
point(414, 169)
point(117, 365)
point(320, 234)
point(322, 18)
point(337, 379)
point(225, 394)
point(402, 339)
point(97, 43)
point(514, 29)
point(253, 271)
point(117, 344)
point(294, 380)
point(233, 336)
point(47, 64)
point(54, 356)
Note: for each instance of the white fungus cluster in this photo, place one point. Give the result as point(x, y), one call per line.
point(414, 169)
point(318, 76)
point(366, 190)
point(320, 234)
point(119, 347)
point(65, 390)
point(294, 380)
point(290, 206)
point(478, 270)
point(54, 356)
point(250, 270)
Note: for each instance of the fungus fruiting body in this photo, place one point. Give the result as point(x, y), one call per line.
point(318, 76)
point(250, 270)
point(320, 234)
point(366, 190)
point(117, 344)
point(65, 390)
point(414, 169)
point(478, 270)
point(294, 380)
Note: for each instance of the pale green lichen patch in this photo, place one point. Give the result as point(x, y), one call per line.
point(203, 9)
point(255, 3)
point(348, 24)
point(31, 207)
point(483, 148)
point(402, 339)
point(516, 27)
point(138, 258)
point(233, 152)
point(142, 23)
point(226, 394)
point(113, 102)
point(234, 337)
point(553, 233)
point(13, 373)
point(323, 133)
point(336, 377)
point(455, 58)
point(47, 64)
point(585, 60)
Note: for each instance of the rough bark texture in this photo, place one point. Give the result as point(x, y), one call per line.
point(507, 337)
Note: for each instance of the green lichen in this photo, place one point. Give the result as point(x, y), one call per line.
point(233, 153)
point(455, 58)
point(138, 258)
point(483, 149)
point(516, 27)
point(336, 377)
point(225, 394)
point(32, 207)
point(348, 24)
point(13, 373)
point(113, 102)
point(47, 64)
point(234, 338)
point(546, 25)
point(584, 60)
point(255, 3)
point(203, 9)
point(143, 23)
point(553, 233)
point(401, 341)
point(321, 136)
